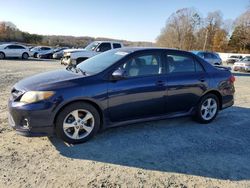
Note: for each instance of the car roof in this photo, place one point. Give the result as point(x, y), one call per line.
point(108, 41)
point(7, 44)
point(137, 49)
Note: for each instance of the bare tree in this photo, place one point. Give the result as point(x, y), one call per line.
point(179, 29)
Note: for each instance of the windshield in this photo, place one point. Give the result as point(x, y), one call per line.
point(246, 58)
point(101, 62)
point(92, 46)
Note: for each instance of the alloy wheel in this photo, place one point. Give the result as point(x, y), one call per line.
point(78, 124)
point(209, 109)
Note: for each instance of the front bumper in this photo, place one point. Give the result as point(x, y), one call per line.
point(31, 119)
point(68, 61)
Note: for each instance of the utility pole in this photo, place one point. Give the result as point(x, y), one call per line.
point(205, 43)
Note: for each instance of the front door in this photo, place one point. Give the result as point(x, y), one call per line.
point(142, 93)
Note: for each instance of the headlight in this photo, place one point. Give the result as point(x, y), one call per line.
point(35, 96)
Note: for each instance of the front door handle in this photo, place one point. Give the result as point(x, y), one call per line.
point(160, 83)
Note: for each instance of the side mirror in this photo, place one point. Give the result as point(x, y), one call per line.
point(118, 75)
point(98, 49)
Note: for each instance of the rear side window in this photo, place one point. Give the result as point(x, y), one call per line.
point(182, 64)
point(116, 45)
point(104, 47)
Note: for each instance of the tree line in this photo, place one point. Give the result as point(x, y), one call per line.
point(186, 29)
point(10, 33)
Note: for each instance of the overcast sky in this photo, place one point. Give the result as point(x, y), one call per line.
point(136, 20)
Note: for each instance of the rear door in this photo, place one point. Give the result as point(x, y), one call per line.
point(186, 81)
point(19, 50)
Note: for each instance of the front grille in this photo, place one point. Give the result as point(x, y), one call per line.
point(16, 94)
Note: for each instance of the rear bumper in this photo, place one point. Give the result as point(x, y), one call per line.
point(241, 67)
point(31, 119)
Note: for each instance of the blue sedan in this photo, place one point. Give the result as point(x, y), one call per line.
point(118, 87)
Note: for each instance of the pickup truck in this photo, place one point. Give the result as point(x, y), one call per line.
point(76, 56)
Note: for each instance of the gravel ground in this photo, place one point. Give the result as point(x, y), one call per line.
point(169, 153)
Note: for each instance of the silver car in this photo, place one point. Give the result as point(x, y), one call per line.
point(243, 64)
point(211, 57)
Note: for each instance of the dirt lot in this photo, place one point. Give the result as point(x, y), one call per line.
point(169, 153)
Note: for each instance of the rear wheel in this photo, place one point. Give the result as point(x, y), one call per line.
point(207, 109)
point(77, 122)
point(25, 56)
point(2, 55)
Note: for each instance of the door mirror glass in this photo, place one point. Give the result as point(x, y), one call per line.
point(118, 75)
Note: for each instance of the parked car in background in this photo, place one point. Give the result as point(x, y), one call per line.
point(242, 65)
point(59, 54)
point(233, 58)
point(39, 49)
point(49, 54)
point(76, 56)
point(119, 87)
point(14, 50)
point(211, 57)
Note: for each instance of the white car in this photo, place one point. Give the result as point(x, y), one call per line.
point(243, 64)
point(40, 49)
point(14, 50)
point(76, 56)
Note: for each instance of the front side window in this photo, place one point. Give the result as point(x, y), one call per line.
point(19, 47)
point(10, 47)
point(104, 47)
point(142, 66)
point(182, 64)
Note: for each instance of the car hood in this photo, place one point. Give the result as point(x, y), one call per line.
point(47, 80)
point(73, 50)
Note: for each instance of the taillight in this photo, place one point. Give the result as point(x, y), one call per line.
point(232, 79)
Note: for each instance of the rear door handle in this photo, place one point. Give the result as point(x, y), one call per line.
point(160, 83)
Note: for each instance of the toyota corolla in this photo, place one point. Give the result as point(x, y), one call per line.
point(118, 87)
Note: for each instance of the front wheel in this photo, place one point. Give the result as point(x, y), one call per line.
point(207, 109)
point(25, 56)
point(2, 55)
point(77, 122)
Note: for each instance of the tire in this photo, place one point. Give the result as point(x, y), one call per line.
point(72, 131)
point(204, 108)
point(2, 55)
point(25, 56)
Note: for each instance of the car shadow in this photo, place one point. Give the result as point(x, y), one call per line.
point(218, 150)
